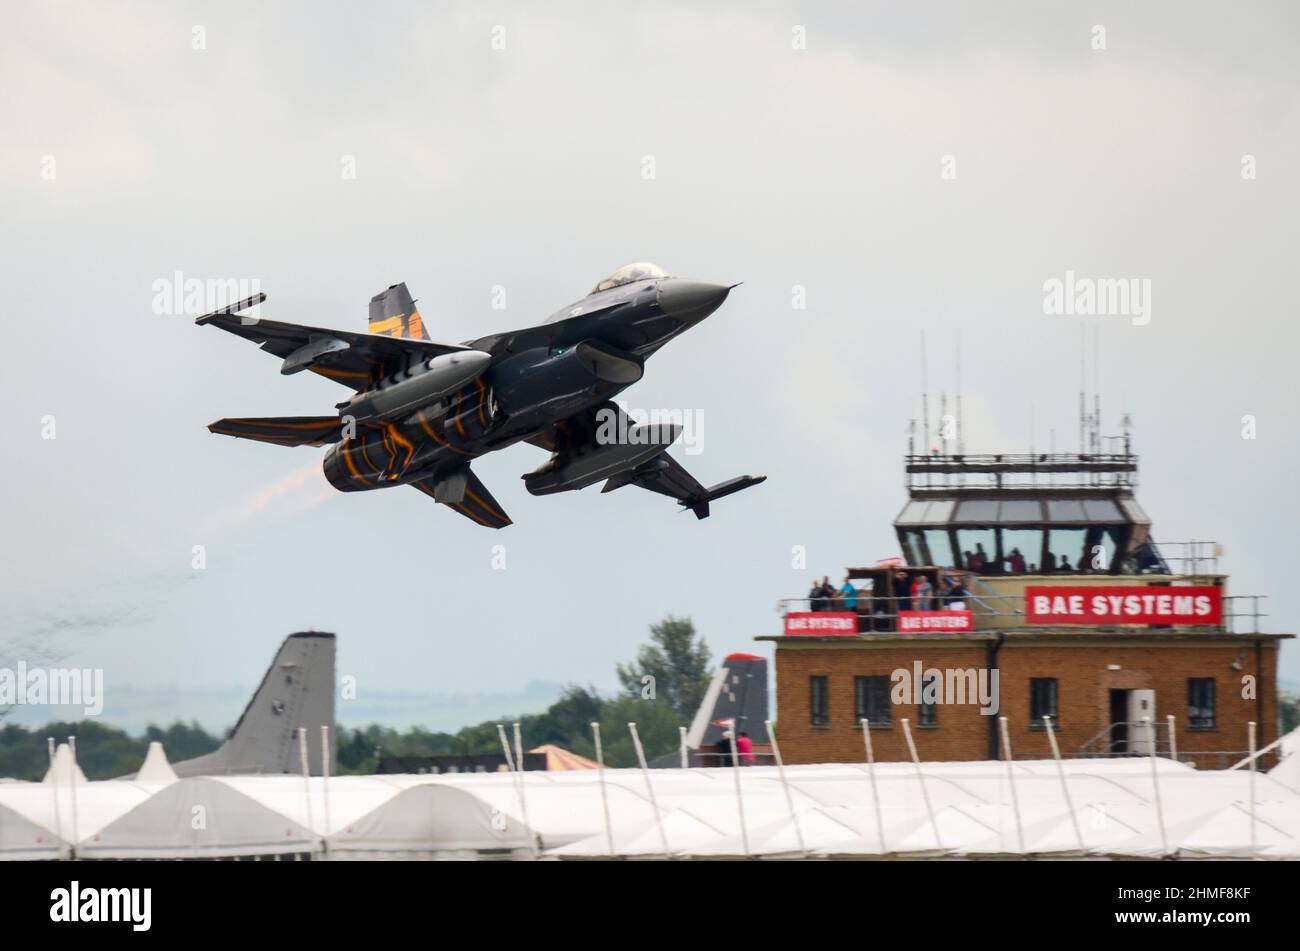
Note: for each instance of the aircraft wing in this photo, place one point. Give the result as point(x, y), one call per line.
point(662, 474)
point(353, 359)
point(665, 475)
point(462, 491)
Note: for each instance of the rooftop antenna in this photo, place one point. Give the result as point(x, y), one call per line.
point(1096, 384)
point(943, 422)
point(1083, 377)
point(911, 437)
point(1031, 429)
point(925, 400)
point(961, 423)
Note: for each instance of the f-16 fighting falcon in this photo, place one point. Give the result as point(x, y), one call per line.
point(422, 411)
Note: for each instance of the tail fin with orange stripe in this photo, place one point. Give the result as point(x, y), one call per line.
point(393, 314)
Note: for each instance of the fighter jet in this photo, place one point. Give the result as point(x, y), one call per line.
point(423, 411)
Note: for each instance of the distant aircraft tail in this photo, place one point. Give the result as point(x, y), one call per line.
point(393, 314)
point(736, 699)
point(297, 692)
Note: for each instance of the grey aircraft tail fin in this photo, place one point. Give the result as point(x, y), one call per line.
point(297, 691)
point(736, 699)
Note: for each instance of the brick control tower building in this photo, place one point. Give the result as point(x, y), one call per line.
point(1048, 598)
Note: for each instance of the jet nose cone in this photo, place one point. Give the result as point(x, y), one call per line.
point(691, 300)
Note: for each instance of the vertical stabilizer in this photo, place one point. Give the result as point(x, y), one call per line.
point(736, 695)
point(297, 691)
point(393, 313)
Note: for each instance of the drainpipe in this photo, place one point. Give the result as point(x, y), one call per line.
point(1259, 691)
point(992, 664)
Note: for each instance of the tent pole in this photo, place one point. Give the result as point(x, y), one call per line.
point(681, 740)
point(789, 800)
point(325, 782)
point(645, 772)
point(514, 783)
point(920, 775)
point(1011, 781)
point(740, 800)
point(523, 800)
point(1250, 727)
point(604, 798)
point(306, 774)
point(1155, 782)
point(1251, 757)
point(875, 793)
point(72, 792)
point(505, 747)
point(1065, 787)
point(54, 790)
point(1173, 739)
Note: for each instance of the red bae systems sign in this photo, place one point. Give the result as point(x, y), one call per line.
point(1145, 604)
point(821, 623)
point(911, 622)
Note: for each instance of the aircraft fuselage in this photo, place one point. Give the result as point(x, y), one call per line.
point(520, 384)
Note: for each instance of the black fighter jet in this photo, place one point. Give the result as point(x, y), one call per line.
point(422, 411)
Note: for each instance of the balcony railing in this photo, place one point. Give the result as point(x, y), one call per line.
point(991, 611)
point(1033, 471)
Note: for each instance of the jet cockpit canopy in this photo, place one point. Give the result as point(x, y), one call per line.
point(628, 273)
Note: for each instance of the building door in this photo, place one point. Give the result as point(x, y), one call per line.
point(1118, 722)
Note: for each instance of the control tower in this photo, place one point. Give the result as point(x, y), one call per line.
point(1029, 587)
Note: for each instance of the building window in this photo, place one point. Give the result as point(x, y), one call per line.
point(871, 701)
point(928, 713)
point(1200, 703)
point(1043, 702)
point(820, 701)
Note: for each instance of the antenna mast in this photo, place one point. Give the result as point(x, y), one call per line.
point(1096, 385)
point(925, 399)
point(1083, 377)
point(961, 423)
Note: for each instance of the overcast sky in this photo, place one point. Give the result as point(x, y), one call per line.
point(128, 155)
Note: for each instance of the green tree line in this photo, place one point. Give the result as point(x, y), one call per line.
point(660, 691)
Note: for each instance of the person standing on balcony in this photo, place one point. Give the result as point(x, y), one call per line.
point(815, 602)
point(1016, 561)
point(849, 595)
point(955, 597)
point(902, 592)
point(923, 594)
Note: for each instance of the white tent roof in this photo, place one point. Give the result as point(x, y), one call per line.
point(1120, 807)
point(156, 769)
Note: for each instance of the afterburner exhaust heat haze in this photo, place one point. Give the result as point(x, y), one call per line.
point(422, 411)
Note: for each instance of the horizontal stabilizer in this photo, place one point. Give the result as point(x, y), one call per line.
point(282, 430)
point(469, 497)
